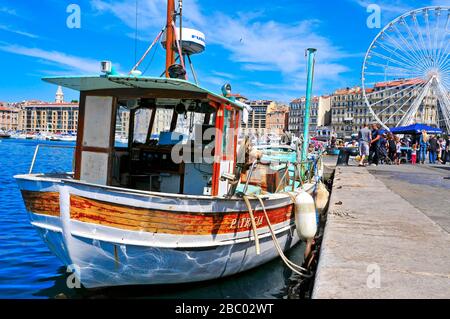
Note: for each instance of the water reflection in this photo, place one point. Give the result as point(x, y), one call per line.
point(272, 280)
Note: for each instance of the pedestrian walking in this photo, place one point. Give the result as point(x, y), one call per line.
point(364, 139)
point(383, 157)
point(391, 147)
point(433, 147)
point(440, 141)
point(446, 150)
point(398, 149)
point(374, 153)
point(413, 154)
point(423, 145)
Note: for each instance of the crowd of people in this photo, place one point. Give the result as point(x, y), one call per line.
point(383, 147)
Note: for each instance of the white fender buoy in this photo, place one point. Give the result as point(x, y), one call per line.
point(305, 215)
point(322, 196)
point(320, 168)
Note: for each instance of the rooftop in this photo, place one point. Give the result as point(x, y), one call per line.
point(399, 83)
point(8, 109)
point(353, 90)
point(56, 105)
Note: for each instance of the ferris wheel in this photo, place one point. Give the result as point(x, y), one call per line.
point(406, 70)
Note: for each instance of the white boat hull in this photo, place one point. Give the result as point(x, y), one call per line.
point(103, 254)
point(101, 263)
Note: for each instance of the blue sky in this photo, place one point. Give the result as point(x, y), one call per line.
point(256, 45)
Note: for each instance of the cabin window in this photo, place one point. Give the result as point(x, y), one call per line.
point(188, 125)
point(162, 122)
point(142, 118)
point(122, 126)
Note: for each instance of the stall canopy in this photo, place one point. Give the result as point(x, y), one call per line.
point(415, 129)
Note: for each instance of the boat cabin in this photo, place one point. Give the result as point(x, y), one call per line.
point(181, 138)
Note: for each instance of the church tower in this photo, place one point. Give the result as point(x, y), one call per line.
point(59, 98)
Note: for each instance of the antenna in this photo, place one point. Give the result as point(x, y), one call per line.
point(136, 33)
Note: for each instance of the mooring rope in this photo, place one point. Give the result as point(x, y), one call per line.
point(294, 267)
point(288, 263)
point(252, 218)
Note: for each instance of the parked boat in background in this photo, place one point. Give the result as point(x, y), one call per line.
point(121, 139)
point(4, 134)
point(67, 138)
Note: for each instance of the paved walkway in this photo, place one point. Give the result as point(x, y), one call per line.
point(426, 187)
point(378, 245)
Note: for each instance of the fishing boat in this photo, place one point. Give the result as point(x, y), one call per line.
point(168, 210)
point(121, 139)
point(53, 137)
point(4, 134)
point(67, 138)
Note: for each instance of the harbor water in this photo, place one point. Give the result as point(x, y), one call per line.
point(29, 270)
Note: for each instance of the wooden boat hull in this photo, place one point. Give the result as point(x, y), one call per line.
point(113, 237)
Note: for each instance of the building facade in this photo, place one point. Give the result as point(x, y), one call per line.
point(257, 118)
point(56, 117)
point(319, 114)
point(277, 120)
point(49, 117)
point(349, 111)
point(9, 118)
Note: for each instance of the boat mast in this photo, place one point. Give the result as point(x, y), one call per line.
point(170, 58)
point(310, 69)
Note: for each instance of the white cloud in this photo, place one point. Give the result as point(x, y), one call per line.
point(273, 46)
point(151, 13)
point(8, 11)
point(257, 45)
point(69, 62)
point(19, 32)
point(389, 8)
point(224, 74)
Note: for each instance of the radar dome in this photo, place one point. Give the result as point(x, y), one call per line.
point(193, 41)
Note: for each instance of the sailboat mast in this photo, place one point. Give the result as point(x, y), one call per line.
point(170, 58)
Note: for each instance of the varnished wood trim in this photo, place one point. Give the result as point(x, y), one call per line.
point(80, 132)
point(112, 139)
point(217, 151)
point(176, 223)
point(43, 203)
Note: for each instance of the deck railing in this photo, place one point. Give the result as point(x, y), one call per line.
point(36, 151)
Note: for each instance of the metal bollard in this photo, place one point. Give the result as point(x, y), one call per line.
point(344, 155)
